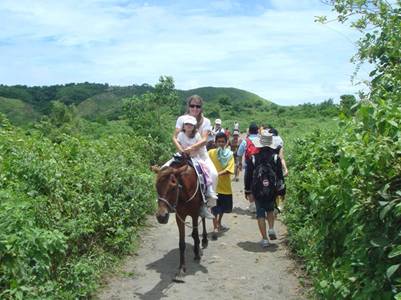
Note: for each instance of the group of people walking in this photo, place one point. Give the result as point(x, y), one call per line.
point(219, 154)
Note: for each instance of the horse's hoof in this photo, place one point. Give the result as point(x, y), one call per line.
point(197, 258)
point(205, 244)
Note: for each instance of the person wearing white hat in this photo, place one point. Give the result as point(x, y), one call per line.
point(203, 127)
point(266, 170)
point(217, 127)
point(215, 130)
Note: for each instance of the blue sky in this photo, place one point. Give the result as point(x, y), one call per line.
point(272, 48)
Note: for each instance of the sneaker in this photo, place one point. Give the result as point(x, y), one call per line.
point(264, 243)
point(252, 207)
point(205, 213)
point(223, 228)
point(272, 234)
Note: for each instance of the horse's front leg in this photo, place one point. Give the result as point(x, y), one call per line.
point(181, 269)
point(205, 241)
point(195, 236)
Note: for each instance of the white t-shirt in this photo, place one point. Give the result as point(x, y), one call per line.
point(205, 127)
point(185, 142)
point(213, 133)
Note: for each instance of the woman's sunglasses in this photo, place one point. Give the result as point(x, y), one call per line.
point(194, 105)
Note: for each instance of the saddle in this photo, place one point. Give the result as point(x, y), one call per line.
point(179, 159)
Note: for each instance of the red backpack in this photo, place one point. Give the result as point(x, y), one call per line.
point(250, 149)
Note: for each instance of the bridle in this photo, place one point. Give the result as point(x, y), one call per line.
point(173, 208)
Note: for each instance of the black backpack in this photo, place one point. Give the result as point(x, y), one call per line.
point(265, 180)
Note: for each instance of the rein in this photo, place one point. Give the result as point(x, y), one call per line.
point(172, 208)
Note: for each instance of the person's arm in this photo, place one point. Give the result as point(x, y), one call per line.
point(202, 141)
point(175, 140)
point(279, 169)
point(283, 163)
point(230, 167)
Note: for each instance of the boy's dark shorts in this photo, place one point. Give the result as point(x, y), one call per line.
point(262, 207)
point(224, 204)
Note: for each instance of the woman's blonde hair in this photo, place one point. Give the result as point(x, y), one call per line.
point(199, 100)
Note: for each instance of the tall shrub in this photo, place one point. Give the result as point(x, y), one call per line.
point(345, 209)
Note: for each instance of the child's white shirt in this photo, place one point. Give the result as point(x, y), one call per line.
point(186, 142)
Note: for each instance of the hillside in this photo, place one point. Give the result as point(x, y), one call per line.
point(108, 105)
point(18, 111)
point(213, 94)
point(101, 102)
point(97, 101)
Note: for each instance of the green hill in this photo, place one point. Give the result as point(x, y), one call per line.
point(22, 104)
point(211, 94)
point(108, 105)
point(218, 101)
point(18, 111)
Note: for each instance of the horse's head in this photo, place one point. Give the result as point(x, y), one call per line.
point(167, 187)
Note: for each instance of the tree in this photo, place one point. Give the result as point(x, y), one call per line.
point(224, 100)
point(152, 114)
point(347, 103)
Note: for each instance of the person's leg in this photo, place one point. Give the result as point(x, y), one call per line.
point(215, 223)
point(212, 172)
point(220, 216)
point(210, 197)
point(262, 228)
point(261, 219)
point(236, 169)
point(270, 219)
point(251, 199)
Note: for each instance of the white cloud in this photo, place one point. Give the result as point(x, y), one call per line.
point(282, 54)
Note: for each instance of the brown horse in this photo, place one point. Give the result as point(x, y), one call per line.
point(178, 190)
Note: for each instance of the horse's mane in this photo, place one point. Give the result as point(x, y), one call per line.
point(165, 171)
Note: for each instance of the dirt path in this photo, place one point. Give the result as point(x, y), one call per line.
point(233, 267)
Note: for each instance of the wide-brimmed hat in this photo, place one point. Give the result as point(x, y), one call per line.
point(217, 122)
point(265, 139)
point(190, 120)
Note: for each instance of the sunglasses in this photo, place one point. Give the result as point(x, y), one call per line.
point(194, 105)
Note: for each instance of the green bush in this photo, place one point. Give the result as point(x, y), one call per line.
point(345, 206)
point(66, 208)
